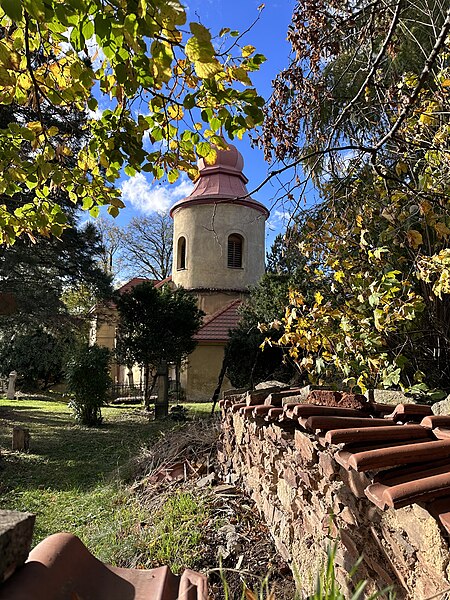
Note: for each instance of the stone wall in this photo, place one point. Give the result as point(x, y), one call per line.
point(310, 502)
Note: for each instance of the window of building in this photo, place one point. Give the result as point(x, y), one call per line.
point(235, 244)
point(181, 253)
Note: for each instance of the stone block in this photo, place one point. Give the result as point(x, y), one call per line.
point(306, 448)
point(16, 532)
point(442, 408)
point(391, 397)
point(327, 464)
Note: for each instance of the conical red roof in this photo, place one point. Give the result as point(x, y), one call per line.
point(223, 181)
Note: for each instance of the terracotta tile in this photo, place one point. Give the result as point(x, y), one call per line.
point(261, 410)
point(309, 410)
point(61, 568)
point(384, 458)
point(289, 410)
point(274, 414)
point(237, 407)
point(433, 421)
point(326, 423)
point(441, 434)
point(411, 411)
point(434, 484)
point(382, 409)
point(375, 434)
point(246, 411)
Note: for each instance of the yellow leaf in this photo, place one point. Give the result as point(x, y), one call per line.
point(339, 276)
point(247, 50)
point(414, 238)
point(445, 83)
point(442, 230)
point(318, 298)
point(401, 168)
point(211, 158)
point(359, 220)
point(205, 70)
point(175, 112)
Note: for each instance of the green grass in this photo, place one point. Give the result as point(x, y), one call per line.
point(70, 478)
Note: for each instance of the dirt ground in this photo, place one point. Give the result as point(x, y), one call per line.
point(236, 546)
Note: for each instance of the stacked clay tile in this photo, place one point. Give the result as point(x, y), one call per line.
point(326, 466)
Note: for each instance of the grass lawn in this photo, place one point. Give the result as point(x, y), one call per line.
point(70, 478)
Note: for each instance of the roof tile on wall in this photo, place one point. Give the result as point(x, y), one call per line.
point(403, 453)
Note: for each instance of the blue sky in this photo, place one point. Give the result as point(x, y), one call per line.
point(140, 194)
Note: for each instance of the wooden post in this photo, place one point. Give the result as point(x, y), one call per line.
point(21, 439)
point(162, 400)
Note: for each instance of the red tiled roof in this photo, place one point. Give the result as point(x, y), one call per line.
point(159, 284)
point(126, 287)
point(403, 451)
point(216, 327)
point(129, 285)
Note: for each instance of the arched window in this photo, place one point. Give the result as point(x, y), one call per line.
point(181, 253)
point(235, 245)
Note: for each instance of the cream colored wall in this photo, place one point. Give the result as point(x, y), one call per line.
point(199, 378)
point(210, 302)
point(206, 228)
point(103, 327)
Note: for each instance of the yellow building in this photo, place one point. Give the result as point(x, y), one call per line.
point(218, 253)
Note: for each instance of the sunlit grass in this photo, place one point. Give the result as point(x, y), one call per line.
point(70, 478)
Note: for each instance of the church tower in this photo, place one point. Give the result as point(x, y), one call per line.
point(219, 234)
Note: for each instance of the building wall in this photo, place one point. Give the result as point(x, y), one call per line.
point(206, 228)
point(210, 302)
point(199, 378)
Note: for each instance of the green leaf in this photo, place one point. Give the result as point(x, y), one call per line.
point(200, 32)
point(88, 29)
point(203, 149)
point(13, 8)
point(199, 50)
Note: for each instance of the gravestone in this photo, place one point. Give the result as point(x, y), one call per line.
point(21, 439)
point(162, 400)
point(11, 385)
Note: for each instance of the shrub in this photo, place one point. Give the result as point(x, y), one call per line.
point(88, 379)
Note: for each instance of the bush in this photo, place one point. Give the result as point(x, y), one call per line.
point(37, 356)
point(88, 379)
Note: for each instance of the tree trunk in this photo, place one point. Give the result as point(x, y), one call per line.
point(216, 394)
point(146, 391)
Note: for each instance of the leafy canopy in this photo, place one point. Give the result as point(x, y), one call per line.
point(166, 82)
point(156, 325)
point(364, 108)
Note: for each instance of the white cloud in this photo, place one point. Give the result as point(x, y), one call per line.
point(94, 51)
point(95, 114)
point(279, 219)
point(148, 197)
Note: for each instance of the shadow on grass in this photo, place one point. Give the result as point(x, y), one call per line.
point(65, 456)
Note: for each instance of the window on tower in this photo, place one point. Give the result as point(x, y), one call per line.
point(235, 244)
point(181, 253)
